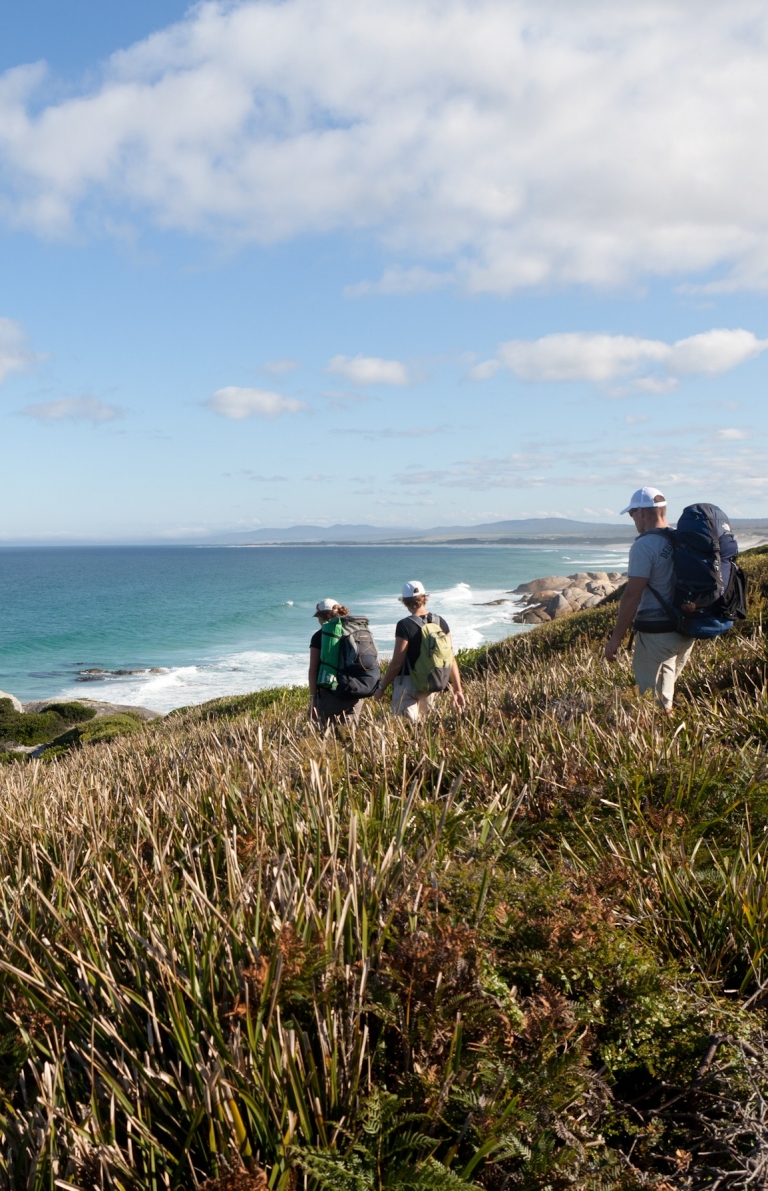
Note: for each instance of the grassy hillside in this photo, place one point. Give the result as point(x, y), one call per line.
point(525, 947)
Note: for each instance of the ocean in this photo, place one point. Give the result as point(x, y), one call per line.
point(187, 624)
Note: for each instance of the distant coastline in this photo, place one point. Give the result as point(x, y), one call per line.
point(547, 532)
point(458, 543)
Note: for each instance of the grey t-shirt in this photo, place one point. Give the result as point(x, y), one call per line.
point(651, 557)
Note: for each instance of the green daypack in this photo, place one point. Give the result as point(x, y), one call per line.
point(432, 672)
point(330, 645)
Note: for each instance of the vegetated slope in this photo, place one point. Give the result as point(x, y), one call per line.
point(522, 947)
point(59, 727)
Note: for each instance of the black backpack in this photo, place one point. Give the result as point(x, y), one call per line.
point(359, 671)
point(710, 586)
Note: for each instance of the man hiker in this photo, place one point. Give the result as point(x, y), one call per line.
point(660, 652)
point(423, 663)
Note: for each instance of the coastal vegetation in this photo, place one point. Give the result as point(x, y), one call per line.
point(523, 947)
point(58, 727)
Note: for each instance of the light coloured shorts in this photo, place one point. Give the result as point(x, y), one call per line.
point(407, 701)
point(657, 661)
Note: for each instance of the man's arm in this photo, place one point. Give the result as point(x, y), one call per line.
point(627, 608)
point(394, 667)
point(455, 680)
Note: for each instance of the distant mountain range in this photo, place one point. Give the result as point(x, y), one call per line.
point(528, 530)
point(527, 527)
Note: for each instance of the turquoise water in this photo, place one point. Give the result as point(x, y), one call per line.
point(215, 621)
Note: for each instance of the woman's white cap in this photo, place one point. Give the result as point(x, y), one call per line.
point(413, 588)
point(325, 606)
point(645, 498)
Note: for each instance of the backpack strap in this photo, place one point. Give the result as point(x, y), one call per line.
point(672, 613)
point(420, 621)
point(666, 531)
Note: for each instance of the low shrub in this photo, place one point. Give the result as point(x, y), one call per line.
point(97, 731)
point(32, 728)
point(71, 713)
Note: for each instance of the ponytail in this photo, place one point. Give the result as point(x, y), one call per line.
point(337, 610)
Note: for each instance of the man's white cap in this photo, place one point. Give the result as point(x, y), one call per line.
point(413, 588)
point(325, 606)
point(645, 498)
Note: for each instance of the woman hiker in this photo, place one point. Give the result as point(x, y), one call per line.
point(325, 704)
point(423, 663)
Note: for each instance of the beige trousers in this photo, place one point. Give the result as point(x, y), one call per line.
point(657, 660)
point(407, 701)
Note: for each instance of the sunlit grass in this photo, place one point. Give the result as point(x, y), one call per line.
point(492, 950)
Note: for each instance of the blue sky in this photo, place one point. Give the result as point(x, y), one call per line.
point(397, 263)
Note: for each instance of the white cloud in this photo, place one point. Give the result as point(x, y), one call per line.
point(679, 463)
point(15, 355)
point(714, 351)
point(236, 403)
point(369, 370)
point(73, 409)
point(578, 356)
point(514, 144)
point(485, 370)
point(731, 434)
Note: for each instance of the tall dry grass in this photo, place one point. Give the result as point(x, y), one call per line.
point(493, 950)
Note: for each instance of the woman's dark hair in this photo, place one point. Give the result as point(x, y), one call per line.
point(337, 610)
point(416, 602)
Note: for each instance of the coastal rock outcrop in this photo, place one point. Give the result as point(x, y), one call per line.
point(555, 596)
point(551, 583)
point(15, 703)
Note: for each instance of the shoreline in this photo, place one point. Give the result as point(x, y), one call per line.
point(267, 646)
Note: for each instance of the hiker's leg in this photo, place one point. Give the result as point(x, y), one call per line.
point(325, 705)
point(683, 654)
point(676, 649)
point(671, 669)
point(405, 698)
point(657, 660)
point(684, 647)
point(665, 683)
point(353, 713)
point(645, 662)
point(331, 707)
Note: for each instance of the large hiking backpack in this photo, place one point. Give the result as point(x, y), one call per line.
point(432, 671)
point(349, 660)
point(710, 586)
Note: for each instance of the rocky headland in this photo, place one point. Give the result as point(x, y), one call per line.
point(560, 595)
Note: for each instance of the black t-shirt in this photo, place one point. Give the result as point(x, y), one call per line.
point(408, 630)
point(314, 642)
